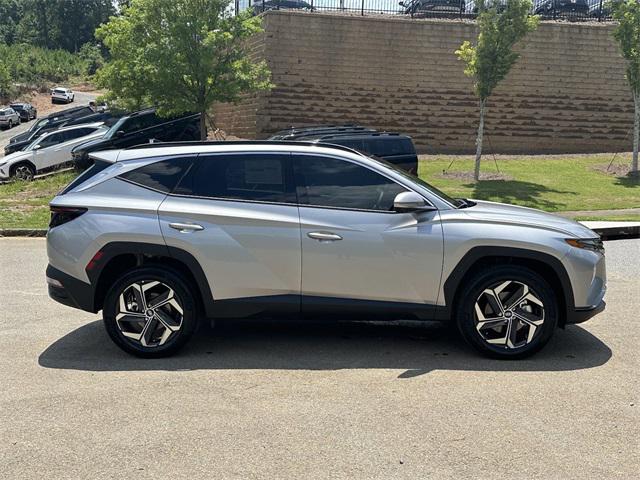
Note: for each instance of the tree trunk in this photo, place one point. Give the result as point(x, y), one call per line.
point(476, 173)
point(636, 133)
point(203, 126)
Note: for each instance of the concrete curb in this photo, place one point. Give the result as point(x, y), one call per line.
point(615, 230)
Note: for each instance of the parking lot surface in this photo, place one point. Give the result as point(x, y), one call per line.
point(323, 400)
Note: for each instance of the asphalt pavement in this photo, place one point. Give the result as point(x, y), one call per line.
point(81, 99)
point(323, 400)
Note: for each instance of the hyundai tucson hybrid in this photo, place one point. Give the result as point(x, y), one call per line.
point(160, 237)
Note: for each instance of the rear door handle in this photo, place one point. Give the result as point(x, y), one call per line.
point(324, 236)
point(186, 227)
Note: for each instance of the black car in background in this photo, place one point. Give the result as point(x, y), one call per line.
point(392, 147)
point(140, 127)
point(25, 110)
point(428, 7)
point(552, 8)
point(299, 133)
point(264, 5)
point(395, 148)
point(46, 124)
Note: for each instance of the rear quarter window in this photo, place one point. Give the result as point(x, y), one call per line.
point(163, 175)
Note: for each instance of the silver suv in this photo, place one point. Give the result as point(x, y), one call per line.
point(161, 236)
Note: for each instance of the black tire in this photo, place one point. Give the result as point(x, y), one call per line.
point(465, 315)
point(182, 292)
point(23, 171)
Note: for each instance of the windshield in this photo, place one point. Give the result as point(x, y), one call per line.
point(114, 128)
point(415, 179)
point(38, 124)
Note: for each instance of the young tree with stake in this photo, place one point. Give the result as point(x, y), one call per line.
point(627, 34)
point(500, 27)
point(180, 55)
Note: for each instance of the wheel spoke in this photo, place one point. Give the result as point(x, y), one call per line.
point(166, 320)
point(146, 336)
point(494, 301)
point(139, 296)
point(161, 299)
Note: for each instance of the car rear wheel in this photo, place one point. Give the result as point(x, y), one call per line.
point(507, 312)
point(150, 312)
point(23, 171)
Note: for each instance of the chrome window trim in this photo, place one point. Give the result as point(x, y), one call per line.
point(403, 182)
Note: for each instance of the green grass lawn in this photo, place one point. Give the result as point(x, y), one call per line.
point(550, 182)
point(26, 204)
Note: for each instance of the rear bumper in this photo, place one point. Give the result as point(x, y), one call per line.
point(70, 291)
point(580, 315)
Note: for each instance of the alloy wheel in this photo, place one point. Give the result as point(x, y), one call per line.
point(23, 172)
point(509, 314)
point(149, 313)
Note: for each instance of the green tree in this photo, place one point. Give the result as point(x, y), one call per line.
point(627, 34)
point(182, 56)
point(66, 24)
point(500, 27)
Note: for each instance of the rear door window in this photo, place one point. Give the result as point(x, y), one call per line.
point(249, 177)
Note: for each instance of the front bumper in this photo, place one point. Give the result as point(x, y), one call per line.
point(70, 291)
point(580, 315)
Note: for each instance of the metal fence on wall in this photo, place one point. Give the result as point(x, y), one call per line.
point(568, 10)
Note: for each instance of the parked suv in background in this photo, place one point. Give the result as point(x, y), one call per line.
point(45, 124)
point(159, 237)
point(140, 127)
point(62, 95)
point(48, 151)
point(8, 118)
point(392, 147)
point(26, 111)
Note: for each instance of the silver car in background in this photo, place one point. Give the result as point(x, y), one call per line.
point(8, 118)
point(159, 237)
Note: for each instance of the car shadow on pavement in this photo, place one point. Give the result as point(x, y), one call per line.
point(414, 348)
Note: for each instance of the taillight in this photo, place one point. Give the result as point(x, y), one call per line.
point(61, 215)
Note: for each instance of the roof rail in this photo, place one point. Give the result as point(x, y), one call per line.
point(361, 134)
point(238, 142)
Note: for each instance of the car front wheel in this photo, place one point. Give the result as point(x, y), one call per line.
point(23, 171)
point(150, 312)
point(507, 312)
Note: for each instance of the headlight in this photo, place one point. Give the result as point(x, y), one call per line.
point(593, 244)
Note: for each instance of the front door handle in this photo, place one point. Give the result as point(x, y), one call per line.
point(324, 236)
point(186, 227)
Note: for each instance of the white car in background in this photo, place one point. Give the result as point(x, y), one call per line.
point(61, 94)
point(48, 151)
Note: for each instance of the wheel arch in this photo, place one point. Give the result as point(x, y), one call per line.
point(115, 258)
point(548, 266)
point(13, 167)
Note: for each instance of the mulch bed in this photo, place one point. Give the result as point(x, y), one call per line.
point(468, 176)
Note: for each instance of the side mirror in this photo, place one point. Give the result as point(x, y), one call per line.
point(411, 202)
point(36, 147)
point(120, 133)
